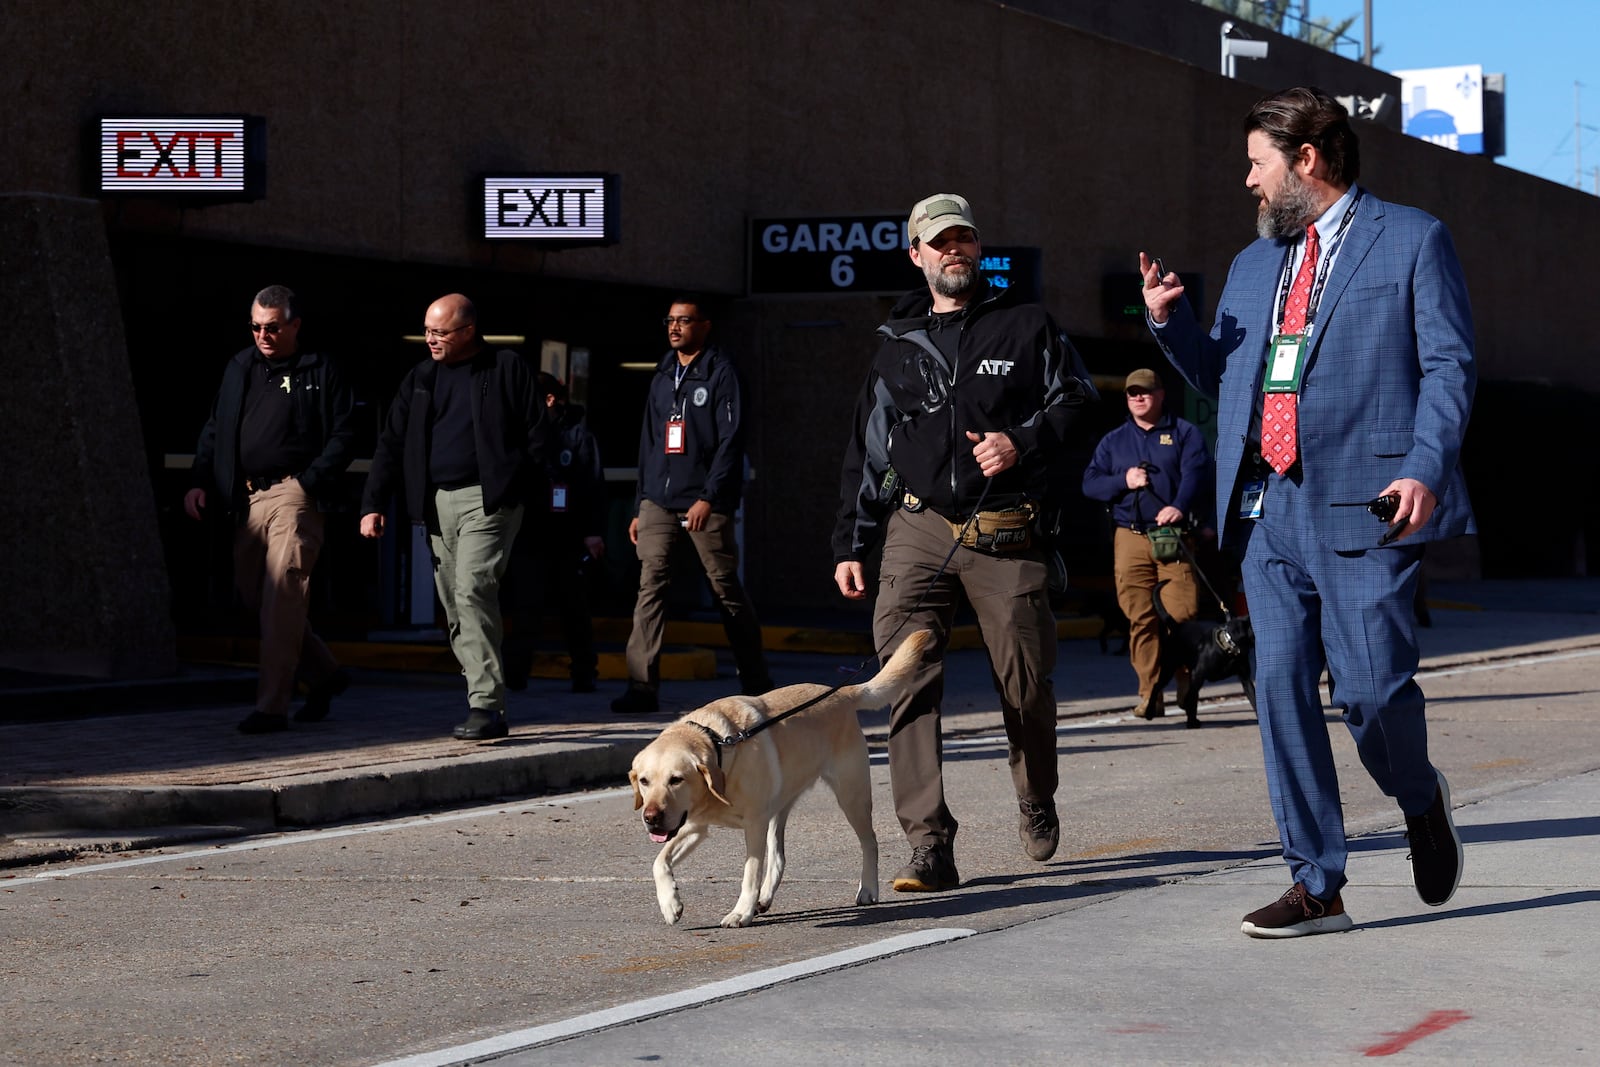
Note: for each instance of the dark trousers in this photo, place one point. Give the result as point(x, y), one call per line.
point(1013, 609)
point(547, 576)
point(659, 532)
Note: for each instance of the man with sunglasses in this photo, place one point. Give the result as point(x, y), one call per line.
point(466, 437)
point(691, 476)
point(1151, 472)
point(279, 437)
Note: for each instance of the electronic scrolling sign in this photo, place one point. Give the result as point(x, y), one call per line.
point(551, 209)
point(216, 157)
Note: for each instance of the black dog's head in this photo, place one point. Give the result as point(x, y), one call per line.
point(1228, 651)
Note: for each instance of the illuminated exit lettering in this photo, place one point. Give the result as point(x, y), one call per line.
point(183, 155)
point(555, 210)
point(552, 208)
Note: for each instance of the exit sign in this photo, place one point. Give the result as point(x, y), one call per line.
point(552, 209)
point(207, 156)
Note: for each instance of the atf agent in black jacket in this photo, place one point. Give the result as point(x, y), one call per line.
point(510, 431)
point(324, 407)
point(1011, 375)
point(705, 394)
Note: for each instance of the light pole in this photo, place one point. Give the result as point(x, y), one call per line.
point(1237, 48)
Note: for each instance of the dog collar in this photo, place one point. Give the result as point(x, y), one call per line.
point(716, 741)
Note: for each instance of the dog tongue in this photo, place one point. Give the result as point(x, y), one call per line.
point(658, 838)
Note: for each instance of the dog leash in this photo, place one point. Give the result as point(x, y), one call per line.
point(745, 735)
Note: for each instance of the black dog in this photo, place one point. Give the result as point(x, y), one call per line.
point(1211, 650)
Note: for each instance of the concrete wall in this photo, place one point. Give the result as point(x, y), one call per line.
point(85, 588)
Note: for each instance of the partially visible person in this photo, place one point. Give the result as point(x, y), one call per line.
point(465, 436)
point(691, 476)
point(279, 437)
point(1342, 356)
point(550, 558)
point(1152, 471)
point(961, 419)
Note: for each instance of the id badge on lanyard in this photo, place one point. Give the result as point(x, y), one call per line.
point(558, 497)
point(675, 436)
point(1286, 363)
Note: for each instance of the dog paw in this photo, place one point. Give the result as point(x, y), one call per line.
point(867, 896)
point(737, 918)
point(763, 906)
point(672, 910)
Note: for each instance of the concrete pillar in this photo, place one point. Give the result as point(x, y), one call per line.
point(83, 584)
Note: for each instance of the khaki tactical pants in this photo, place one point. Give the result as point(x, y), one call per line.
point(1008, 595)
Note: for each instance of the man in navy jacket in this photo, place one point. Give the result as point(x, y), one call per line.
point(691, 475)
point(1152, 471)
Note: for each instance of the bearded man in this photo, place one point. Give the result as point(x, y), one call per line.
point(962, 417)
point(1343, 362)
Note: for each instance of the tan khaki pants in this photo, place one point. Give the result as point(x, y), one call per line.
point(1137, 573)
point(273, 553)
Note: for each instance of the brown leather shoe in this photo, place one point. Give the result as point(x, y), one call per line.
point(1297, 914)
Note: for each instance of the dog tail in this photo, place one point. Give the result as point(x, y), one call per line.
point(1161, 609)
point(892, 679)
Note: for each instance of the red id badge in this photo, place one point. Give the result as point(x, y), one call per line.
point(558, 497)
point(674, 437)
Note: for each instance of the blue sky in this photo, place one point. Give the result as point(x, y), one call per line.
point(1541, 46)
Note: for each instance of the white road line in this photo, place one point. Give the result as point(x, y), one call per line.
point(519, 1040)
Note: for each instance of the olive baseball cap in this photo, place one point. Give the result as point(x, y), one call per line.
point(1143, 378)
point(937, 213)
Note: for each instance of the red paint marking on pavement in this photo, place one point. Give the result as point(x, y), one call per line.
point(1436, 1022)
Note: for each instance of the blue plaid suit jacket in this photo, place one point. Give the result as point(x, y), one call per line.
point(1388, 382)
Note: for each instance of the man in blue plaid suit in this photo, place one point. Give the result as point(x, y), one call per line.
point(1342, 359)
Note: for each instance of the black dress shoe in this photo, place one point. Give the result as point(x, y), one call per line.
point(482, 726)
point(258, 723)
point(583, 683)
point(320, 696)
point(636, 701)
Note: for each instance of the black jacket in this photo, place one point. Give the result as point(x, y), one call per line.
point(511, 433)
point(711, 466)
point(1011, 374)
point(574, 462)
point(324, 407)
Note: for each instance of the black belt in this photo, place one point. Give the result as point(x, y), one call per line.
point(1139, 529)
point(261, 483)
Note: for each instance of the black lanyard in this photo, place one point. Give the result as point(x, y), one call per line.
point(1323, 268)
point(680, 371)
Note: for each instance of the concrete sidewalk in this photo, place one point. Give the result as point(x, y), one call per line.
point(1502, 973)
point(133, 780)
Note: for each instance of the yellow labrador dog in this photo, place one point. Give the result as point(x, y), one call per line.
point(685, 782)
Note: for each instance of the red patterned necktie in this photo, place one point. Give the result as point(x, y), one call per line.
point(1280, 411)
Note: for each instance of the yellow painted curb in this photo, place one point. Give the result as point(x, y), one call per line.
point(679, 665)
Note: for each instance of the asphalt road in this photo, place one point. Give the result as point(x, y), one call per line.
point(368, 943)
